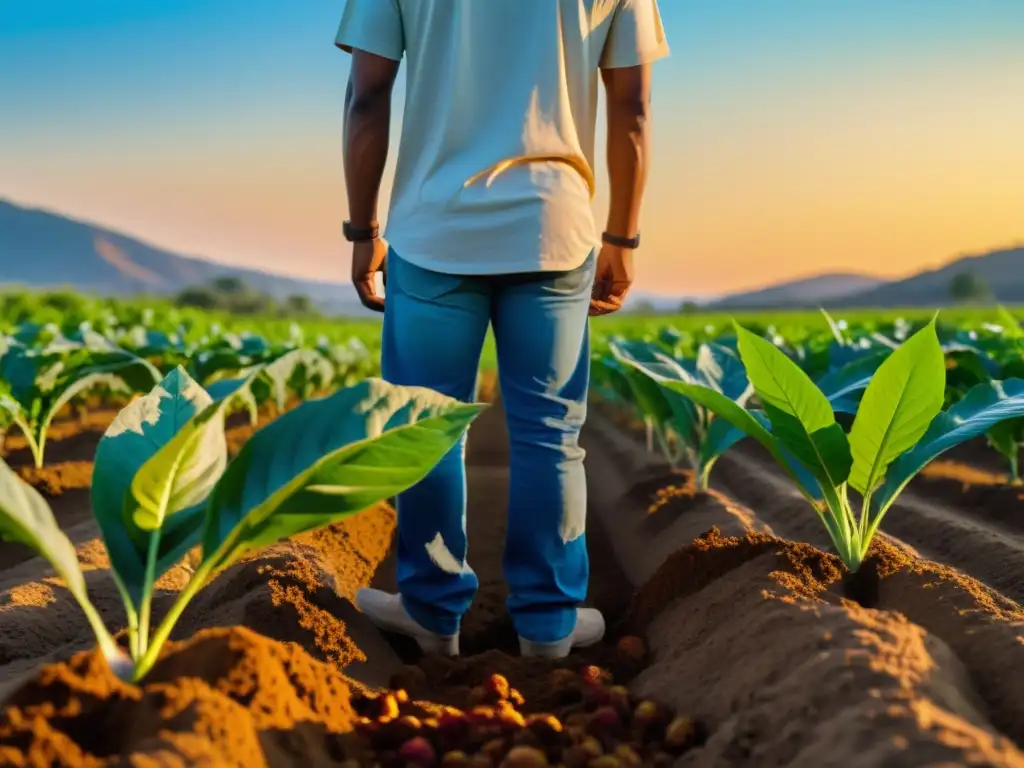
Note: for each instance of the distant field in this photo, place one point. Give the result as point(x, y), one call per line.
point(811, 319)
point(71, 309)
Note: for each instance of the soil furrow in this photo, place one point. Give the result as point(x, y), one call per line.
point(783, 669)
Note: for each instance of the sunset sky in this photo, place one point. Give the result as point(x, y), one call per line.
point(791, 136)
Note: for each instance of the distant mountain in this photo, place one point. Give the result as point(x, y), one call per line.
point(808, 291)
point(41, 249)
point(1002, 270)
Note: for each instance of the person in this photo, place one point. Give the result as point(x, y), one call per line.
point(490, 224)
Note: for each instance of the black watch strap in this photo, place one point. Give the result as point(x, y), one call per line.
point(360, 234)
point(621, 242)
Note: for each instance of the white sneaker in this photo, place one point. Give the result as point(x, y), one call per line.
point(589, 630)
point(386, 611)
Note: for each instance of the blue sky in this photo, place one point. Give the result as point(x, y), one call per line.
point(213, 127)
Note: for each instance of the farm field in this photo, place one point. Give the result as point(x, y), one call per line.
point(757, 647)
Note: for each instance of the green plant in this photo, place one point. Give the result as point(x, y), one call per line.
point(897, 430)
point(683, 429)
point(163, 484)
point(38, 382)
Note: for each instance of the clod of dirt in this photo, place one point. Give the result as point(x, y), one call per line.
point(226, 695)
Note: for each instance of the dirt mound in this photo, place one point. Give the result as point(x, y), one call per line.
point(746, 629)
point(751, 634)
point(749, 631)
point(226, 697)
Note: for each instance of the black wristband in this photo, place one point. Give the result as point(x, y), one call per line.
point(360, 234)
point(621, 242)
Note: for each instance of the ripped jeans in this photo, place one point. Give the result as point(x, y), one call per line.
point(434, 330)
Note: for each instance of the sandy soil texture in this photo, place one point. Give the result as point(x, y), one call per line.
point(739, 602)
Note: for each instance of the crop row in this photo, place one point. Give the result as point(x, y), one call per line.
point(851, 417)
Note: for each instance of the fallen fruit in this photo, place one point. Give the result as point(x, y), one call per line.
point(679, 731)
point(631, 650)
point(618, 697)
point(418, 752)
point(646, 712)
point(525, 757)
point(592, 675)
point(455, 759)
point(627, 756)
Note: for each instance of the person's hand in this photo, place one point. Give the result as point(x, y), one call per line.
point(369, 258)
point(612, 280)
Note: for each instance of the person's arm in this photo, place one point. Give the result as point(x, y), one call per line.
point(372, 31)
point(367, 133)
point(635, 39)
point(628, 92)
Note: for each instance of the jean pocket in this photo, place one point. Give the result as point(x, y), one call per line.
point(418, 283)
point(573, 281)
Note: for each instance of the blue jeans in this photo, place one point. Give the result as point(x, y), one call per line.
point(434, 330)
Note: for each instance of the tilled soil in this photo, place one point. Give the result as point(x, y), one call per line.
point(750, 632)
point(744, 619)
point(272, 659)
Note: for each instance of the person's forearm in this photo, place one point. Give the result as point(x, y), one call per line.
point(628, 157)
point(366, 136)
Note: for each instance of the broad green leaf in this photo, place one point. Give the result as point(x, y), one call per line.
point(1006, 437)
point(240, 392)
point(183, 472)
point(801, 416)
point(327, 459)
point(984, 406)
point(26, 518)
point(721, 369)
point(848, 381)
point(903, 397)
point(612, 372)
point(649, 398)
point(746, 422)
point(138, 432)
point(656, 367)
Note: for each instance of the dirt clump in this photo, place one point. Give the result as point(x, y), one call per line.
point(211, 697)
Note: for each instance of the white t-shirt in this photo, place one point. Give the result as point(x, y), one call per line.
point(490, 81)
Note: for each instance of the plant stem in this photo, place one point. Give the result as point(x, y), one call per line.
point(163, 632)
point(104, 639)
point(145, 610)
point(132, 614)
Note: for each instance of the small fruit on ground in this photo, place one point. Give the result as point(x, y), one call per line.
point(631, 650)
point(679, 732)
point(455, 759)
point(418, 752)
point(604, 720)
point(593, 675)
point(525, 757)
point(646, 712)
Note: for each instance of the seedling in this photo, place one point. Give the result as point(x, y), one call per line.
point(897, 430)
point(685, 430)
point(163, 484)
point(37, 383)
